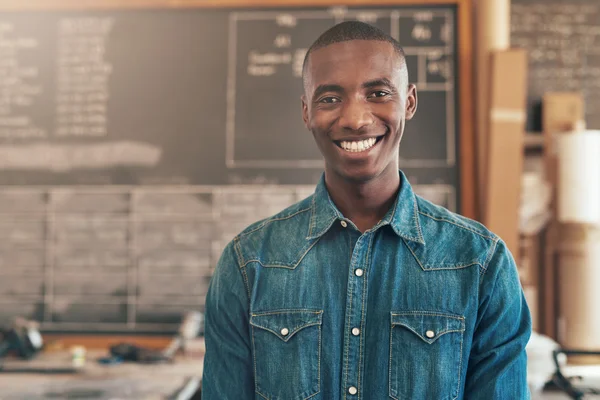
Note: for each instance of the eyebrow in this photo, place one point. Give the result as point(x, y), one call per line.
point(327, 88)
point(378, 82)
point(367, 85)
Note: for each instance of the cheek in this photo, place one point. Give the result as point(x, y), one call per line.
point(322, 119)
point(391, 112)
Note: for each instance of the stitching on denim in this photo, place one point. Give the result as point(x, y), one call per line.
point(318, 369)
point(347, 335)
point(262, 395)
point(428, 341)
point(313, 395)
point(272, 219)
point(431, 313)
point(285, 310)
point(255, 370)
point(430, 267)
point(352, 263)
point(243, 271)
point(459, 367)
point(414, 255)
point(390, 360)
point(308, 248)
point(312, 222)
point(459, 225)
point(420, 239)
point(417, 224)
point(238, 252)
point(488, 259)
point(279, 264)
point(322, 231)
point(426, 313)
point(292, 331)
point(362, 318)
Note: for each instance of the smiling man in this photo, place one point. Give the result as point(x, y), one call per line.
point(364, 290)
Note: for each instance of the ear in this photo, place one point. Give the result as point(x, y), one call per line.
point(304, 111)
point(411, 102)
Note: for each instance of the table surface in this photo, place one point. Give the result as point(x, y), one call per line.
point(127, 381)
point(96, 381)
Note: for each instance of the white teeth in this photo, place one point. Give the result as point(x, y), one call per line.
point(358, 146)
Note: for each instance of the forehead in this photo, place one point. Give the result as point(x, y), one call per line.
point(354, 61)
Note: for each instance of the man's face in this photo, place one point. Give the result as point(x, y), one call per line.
point(356, 101)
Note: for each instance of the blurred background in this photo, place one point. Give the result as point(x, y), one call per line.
point(138, 137)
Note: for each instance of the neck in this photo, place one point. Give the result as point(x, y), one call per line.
point(364, 203)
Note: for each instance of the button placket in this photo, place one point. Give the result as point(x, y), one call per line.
point(356, 301)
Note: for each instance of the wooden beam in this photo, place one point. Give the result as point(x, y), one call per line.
point(14, 5)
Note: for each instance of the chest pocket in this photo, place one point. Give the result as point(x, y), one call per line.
point(425, 355)
point(287, 353)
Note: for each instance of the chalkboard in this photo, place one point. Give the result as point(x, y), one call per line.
point(134, 144)
point(563, 43)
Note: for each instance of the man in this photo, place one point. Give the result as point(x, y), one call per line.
point(364, 290)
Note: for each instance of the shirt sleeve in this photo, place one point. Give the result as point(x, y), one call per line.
point(497, 366)
point(228, 367)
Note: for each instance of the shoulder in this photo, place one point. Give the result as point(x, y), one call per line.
point(452, 240)
point(277, 239)
point(434, 214)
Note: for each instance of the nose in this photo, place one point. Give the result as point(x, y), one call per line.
point(355, 115)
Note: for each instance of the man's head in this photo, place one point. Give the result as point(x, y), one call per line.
point(356, 100)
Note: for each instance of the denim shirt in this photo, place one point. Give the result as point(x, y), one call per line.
point(425, 305)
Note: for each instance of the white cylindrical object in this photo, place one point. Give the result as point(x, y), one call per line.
point(578, 277)
point(579, 177)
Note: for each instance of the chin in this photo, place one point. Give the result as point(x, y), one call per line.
point(360, 174)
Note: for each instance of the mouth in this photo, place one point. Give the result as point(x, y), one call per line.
point(358, 146)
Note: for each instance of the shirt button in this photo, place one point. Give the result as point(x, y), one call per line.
point(284, 332)
point(355, 331)
point(344, 224)
point(352, 390)
point(359, 272)
point(430, 334)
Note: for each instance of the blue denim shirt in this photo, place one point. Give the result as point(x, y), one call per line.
point(425, 305)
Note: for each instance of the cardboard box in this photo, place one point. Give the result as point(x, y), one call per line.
point(530, 259)
point(506, 139)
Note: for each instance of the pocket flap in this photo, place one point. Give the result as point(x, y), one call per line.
point(286, 323)
point(428, 325)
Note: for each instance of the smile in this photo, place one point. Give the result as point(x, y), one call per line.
point(356, 146)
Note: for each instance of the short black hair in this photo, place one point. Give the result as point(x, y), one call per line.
point(351, 30)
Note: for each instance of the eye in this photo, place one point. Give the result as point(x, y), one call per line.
point(378, 93)
point(329, 100)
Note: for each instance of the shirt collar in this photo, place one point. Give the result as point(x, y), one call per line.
point(403, 217)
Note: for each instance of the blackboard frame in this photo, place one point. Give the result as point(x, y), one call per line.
point(464, 51)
